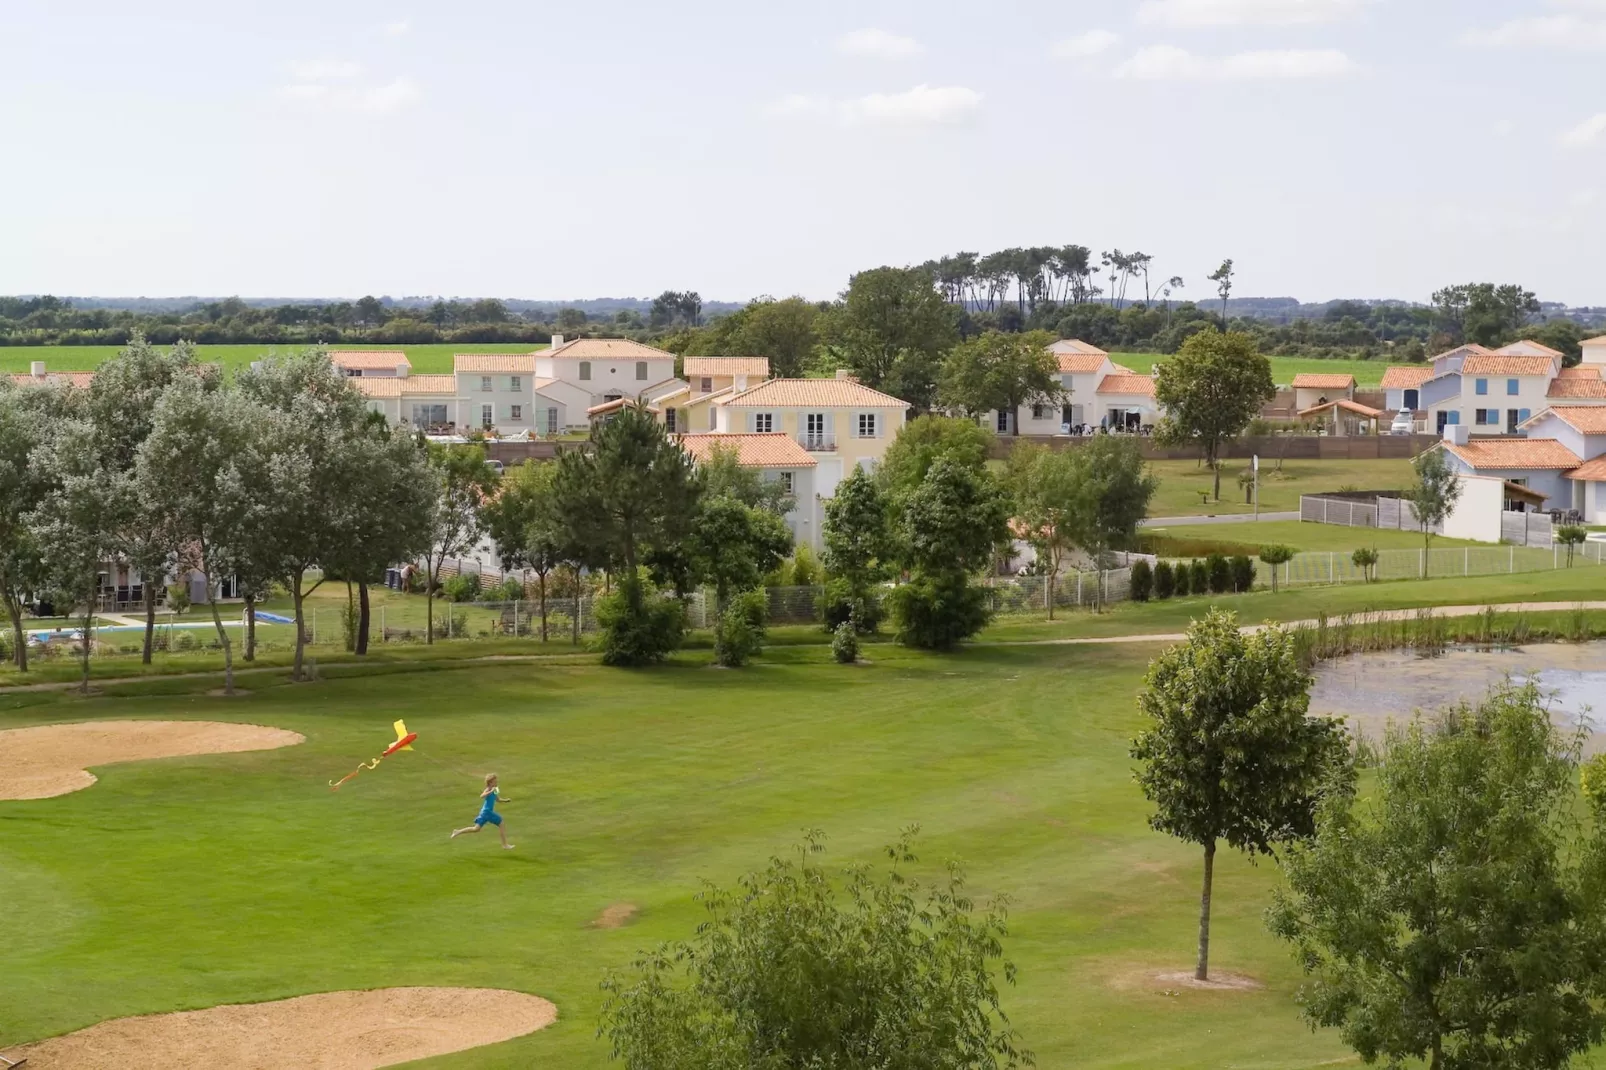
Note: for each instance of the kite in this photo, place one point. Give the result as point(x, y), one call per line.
point(404, 740)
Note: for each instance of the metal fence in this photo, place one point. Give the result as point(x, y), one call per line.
point(1337, 567)
point(1367, 510)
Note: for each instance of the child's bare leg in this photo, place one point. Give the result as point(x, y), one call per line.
point(502, 829)
point(464, 832)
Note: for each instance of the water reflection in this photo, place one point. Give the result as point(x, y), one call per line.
point(1372, 689)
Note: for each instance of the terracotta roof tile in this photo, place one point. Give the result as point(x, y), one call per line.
point(1590, 471)
point(1577, 388)
point(606, 349)
point(727, 366)
point(826, 393)
point(1588, 419)
point(1347, 405)
point(1406, 377)
point(1323, 381)
point(365, 359)
point(494, 362)
point(1082, 363)
point(1076, 345)
point(774, 450)
point(1519, 347)
point(1582, 371)
point(1598, 340)
point(78, 379)
point(1469, 350)
point(1127, 384)
point(1491, 364)
point(618, 405)
point(406, 386)
point(1515, 453)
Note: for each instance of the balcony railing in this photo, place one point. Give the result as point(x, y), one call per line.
point(818, 443)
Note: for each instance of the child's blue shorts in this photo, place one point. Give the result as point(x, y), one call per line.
point(493, 817)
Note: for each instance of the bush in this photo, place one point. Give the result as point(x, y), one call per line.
point(805, 567)
point(839, 604)
point(450, 624)
point(1220, 574)
point(1142, 580)
point(1183, 579)
point(1199, 581)
point(1243, 573)
point(510, 591)
point(461, 588)
point(735, 638)
point(184, 640)
point(1365, 559)
point(1165, 581)
point(178, 596)
point(938, 612)
point(1276, 555)
point(845, 644)
point(639, 626)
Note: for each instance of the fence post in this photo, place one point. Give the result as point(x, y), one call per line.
point(1422, 570)
point(382, 637)
point(515, 618)
point(1555, 556)
point(1078, 588)
point(1330, 576)
point(1511, 563)
point(315, 626)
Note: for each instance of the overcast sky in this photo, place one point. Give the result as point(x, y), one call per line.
point(526, 148)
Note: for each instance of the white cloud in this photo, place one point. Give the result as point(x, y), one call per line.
point(1584, 198)
point(1586, 133)
point(1088, 44)
point(397, 28)
point(1194, 13)
point(1169, 63)
point(1565, 32)
point(324, 70)
point(1504, 128)
point(878, 44)
point(923, 105)
point(392, 96)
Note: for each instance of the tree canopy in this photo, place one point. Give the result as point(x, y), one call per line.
point(1210, 391)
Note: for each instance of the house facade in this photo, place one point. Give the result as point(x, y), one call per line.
point(777, 458)
point(605, 368)
point(1313, 389)
point(1493, 391)
point(1097, 393)
point(1562, 457)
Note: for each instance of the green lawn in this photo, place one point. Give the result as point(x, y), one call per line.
point(1249, 537)
point(1181, 482)
point(426, 359)
point(1368, 373)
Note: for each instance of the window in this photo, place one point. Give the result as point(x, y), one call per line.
point(552, 421)
point(1413, 399)
point(707, 384)
point(763, 422)
point(814, 429)
point(515, 383)
point(1003, 422)
point(1485, 417)
point(1040, 411)
point(487, 416)
point(1481, 386)
point(1522, 415)
point(426, 415)
point(1513, 388)
point(669, 420)
point(585, 370)
point(713, 418)
point(866, 425)
point(485, 383)
point(1454, 418)
point(641, 369)
point(786, 482)
point(516, 412)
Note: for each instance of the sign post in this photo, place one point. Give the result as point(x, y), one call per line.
point(1255, 465)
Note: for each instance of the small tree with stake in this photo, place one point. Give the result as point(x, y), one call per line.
point(1274, 556)
point(1434, 494)
point(1365, 559)
point(1230, 752)
point(1571, 536)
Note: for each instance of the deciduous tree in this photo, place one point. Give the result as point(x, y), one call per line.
point(462, 482)
point(1210, 391)
point(1000, 372)
point(948, 530)
point(892, 327)
point(1433, 494)
point(858, 550)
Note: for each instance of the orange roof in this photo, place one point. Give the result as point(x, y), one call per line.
point(825, 393)
point(1590, 471)
point(405, 385)
point(1598, 340)
point(493, 362)
point(1405, 377)
point(1582, 371)
point(1577, 387)
point(364, 359)
point(1082, 363)
point(1514, 453)
point(1323, 381)
point(607, 349)
point(81, 379)
point(1127, 384)
point(1347, 405)
point(1491, 364)
point(1076, 345)
point(774, 450)
point(1515, 349)
point(1589, 419)
point(618, 404)
point(1470, 349)
point(727, 366)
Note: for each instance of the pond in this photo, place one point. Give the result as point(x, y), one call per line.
point(1370, 690)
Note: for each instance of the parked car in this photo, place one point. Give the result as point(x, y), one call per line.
point(1404, 423)
point(495, 466)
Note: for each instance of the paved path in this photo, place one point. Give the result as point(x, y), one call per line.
point(1220, 518)
point(1377, 615)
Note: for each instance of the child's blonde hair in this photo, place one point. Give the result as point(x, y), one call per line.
point(488, 778)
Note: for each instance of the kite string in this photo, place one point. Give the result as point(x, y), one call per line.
point(425, 755)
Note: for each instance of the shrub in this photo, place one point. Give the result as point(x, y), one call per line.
point(838, 604)
point(1220, 574)
point(178, 596)
point(450, 624)
point(805, 567)
point(1243, 573)
point(937, 612)
point(184, 640)
point(510, 591)
point(1142, 580)
point(1183, 579)
point(1276, 555)
point(461, 588)
point(1200, 579)
point(845, 643)
point(739, 632)
point(1165, 581)
point(639, 626)
point(1365, 559)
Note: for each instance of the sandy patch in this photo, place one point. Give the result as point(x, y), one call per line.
point(615, 917)
point(327, 1031)
point(1172, 982)
point(54, 759)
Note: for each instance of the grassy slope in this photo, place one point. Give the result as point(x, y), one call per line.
point(1368, 373)
point(1301, 536)
point(1181, 482)
point(426, 359)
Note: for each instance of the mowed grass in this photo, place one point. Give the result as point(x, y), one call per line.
point(192, 882)
point(1368, 373)
point(426, 359)
point(1182, 481)
point(1250, 536)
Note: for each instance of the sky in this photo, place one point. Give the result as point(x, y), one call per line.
point(1331, 148)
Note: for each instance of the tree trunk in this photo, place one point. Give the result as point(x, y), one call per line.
point(578, 605)
point(86, 638)
point(18, 634)
point(541, 576)
point(223, 638)
point(301, 631)
point(1051, 593)
point(365, 616)
point(1202, 973)
point(150, 623)
point(250, 627)
point(429, 602)
point(1215, 466)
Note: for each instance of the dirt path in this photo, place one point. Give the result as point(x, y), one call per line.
point(327, 1031)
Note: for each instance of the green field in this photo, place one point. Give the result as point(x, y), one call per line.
point(1368, 373)
point(426, 359)
point(1301, 536)
point(1182, 481)
point(191, 882)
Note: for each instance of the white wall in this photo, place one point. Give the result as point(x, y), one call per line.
point(1477, 514)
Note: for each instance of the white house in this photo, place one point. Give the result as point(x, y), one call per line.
point(1494, 391)
point(606, 368)
point(778, 458)
point(1312, 389)
point(1097, 392)
point(371, 363)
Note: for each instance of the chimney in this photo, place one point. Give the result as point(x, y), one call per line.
point(844, 373)
point(37, 369)
point(1456, 434)
point(403, 370)
point(557, 340)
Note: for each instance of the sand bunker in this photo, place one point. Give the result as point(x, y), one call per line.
point(615, 917)
point(54, 759)
point(327, 1031)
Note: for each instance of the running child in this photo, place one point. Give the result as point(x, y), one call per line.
point(488, 813)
